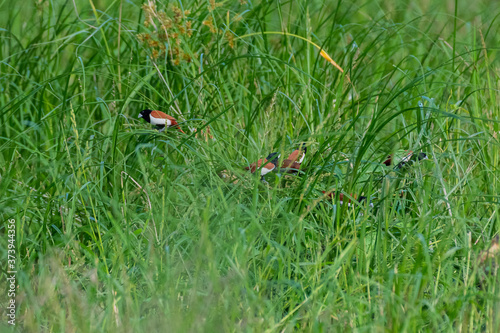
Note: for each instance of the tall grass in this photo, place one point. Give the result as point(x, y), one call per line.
point(122, 228)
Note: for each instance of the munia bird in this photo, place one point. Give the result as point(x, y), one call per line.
point(292, 163)
point(268, 164)
point(407, 159)
point(159, 119)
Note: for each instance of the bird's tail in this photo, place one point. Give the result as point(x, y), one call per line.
point(179, 128)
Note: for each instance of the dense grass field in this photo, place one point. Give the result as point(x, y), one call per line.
point(120, 228)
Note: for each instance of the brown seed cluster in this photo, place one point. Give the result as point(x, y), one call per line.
point(213, 5)
point(205, 134)
point(170, 28)
point(210, 24)
point(230, 39)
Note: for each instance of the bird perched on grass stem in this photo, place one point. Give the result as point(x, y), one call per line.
point(159, 119)
point(268, 164)
point(413, 158)
point(405, 159)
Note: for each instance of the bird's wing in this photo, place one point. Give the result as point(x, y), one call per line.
point(159, 115)
point(161, 118)
point(290, 166)
point(158, 118)
point(388, 160)
point(267, 168)
point(254, 166)
point(406, 157)
point(172, 119)
point(293, 156)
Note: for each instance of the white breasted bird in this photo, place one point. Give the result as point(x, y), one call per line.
point(159, 119)
point(267, 164)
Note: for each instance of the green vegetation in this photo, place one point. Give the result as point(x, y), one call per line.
point(121, 228)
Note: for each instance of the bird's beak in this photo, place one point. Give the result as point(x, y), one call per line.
point(140, 116)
